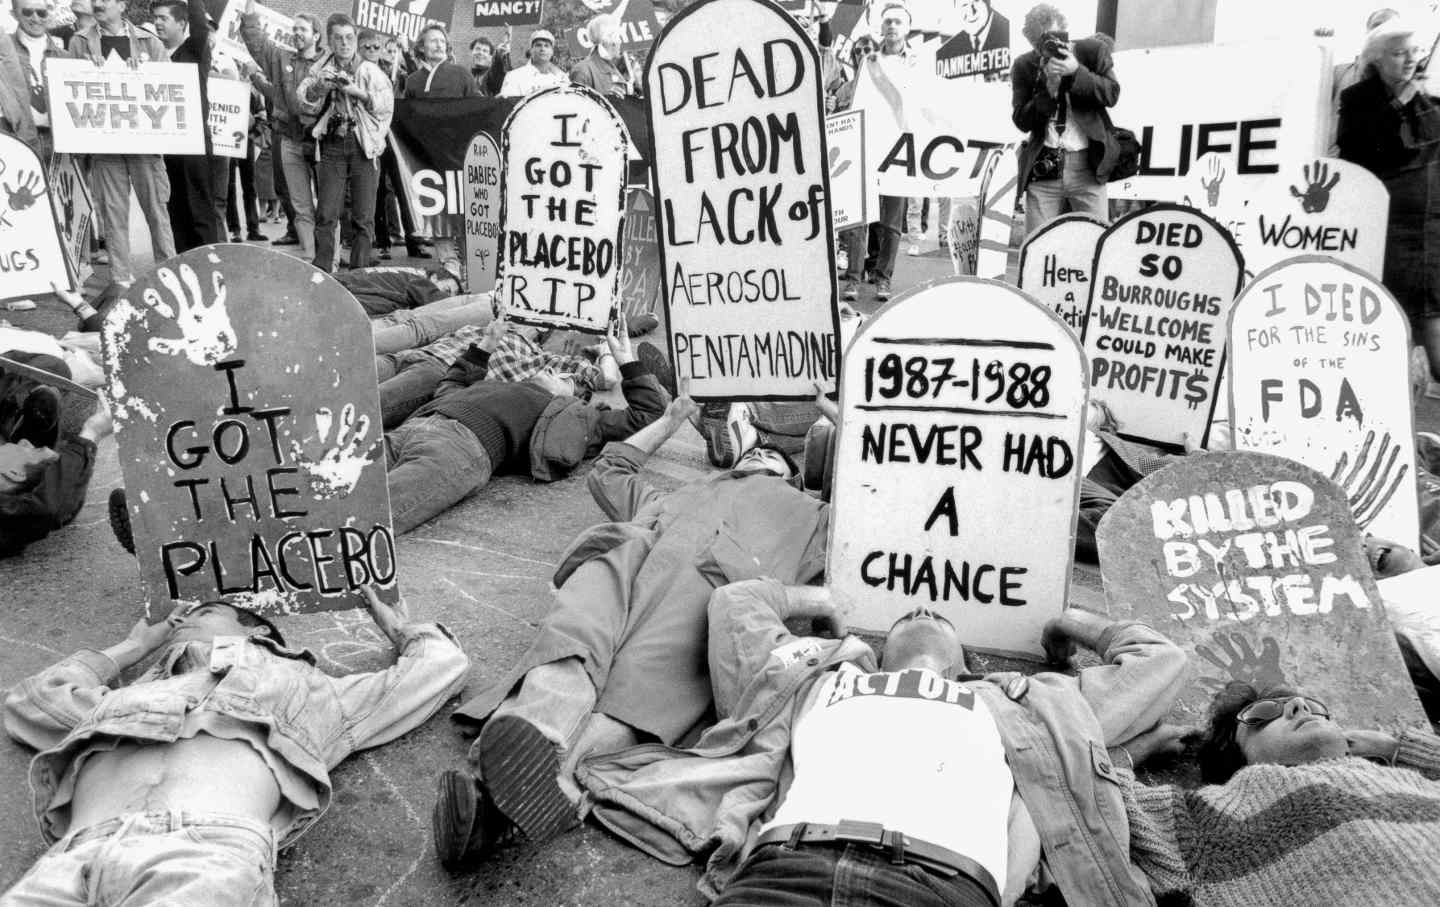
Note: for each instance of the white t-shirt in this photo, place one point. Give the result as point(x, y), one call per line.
point(910, 750)
point(527, 80)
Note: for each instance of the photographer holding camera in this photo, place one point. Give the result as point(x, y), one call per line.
point(1059, 93)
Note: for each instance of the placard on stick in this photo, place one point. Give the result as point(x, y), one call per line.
point(855, 192)
point(562, 201)
point(1251, 563)
point(248, 417)
point(32, 252)
point(229, 117)
point(1055, 264)
point(746, 243)
point(1320, 206)
point(482, 213)
point(1319, 373)
point(1162, 285)
point(958, 466)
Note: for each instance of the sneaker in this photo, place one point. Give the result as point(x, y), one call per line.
point(417, 252)
point(882, 289)
point(120, 520)
point(642, 324)
point(727, 440)
point(465, 823)
point(521, 767)
point(384, 254)
point(913, 250)
point(656, 364)
point(851, 291)
point(39, 421)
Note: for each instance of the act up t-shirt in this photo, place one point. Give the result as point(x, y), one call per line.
point(910, 750)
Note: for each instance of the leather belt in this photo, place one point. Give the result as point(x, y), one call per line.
point(901, 847)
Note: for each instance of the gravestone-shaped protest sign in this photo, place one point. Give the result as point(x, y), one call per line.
point(854, 192)
point(150, 108)
point(1319, 206)
point(562, 200)
point(997, 214)
point(1252, 564)
point(482, 213)
point(1319, 373)
point(963, 232)
point(1161, 288)
point(640, 284)
point(32, 251)
point(746, 243)
point(74, 210)
point(958, 465)
point(242, 382)
point(229, 110)
point(1055, 264)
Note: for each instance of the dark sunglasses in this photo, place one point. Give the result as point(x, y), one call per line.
point(35, 13)
point(1264, 711)
point(370, 46)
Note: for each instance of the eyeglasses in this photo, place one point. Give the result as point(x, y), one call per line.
point(1264, 711)
point(370, 46)
point(35, 13)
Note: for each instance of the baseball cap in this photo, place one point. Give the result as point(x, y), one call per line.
point(541, 34)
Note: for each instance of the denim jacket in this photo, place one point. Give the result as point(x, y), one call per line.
point(309, 719)
point(680, 805)
point(145, 45)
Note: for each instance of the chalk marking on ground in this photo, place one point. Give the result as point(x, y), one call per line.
point(34, 645)
point(518, 557)
point(494, 575)
point(472, 599)
point(412, 815)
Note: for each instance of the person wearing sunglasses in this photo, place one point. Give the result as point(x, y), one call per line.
point(1294, 805)
point(24, 110)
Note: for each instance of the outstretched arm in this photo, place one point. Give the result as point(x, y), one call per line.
point(615, 482)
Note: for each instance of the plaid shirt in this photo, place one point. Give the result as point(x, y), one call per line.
point(517, 358)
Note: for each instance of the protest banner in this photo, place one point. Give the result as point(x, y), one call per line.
point(854, 192)
point(640, 283)
point(1154, 329)
point(1319, 373)
point(1317, 206)
point(229, 117)
point(278, 27)
point(958, 465)
point(247, 414)
point(747, 249)
point(32, 251)
point(997, 214)
point(70, 193)
point(1055, 264)
point(152, 108)
point(1272, 106)
point(1252, 564)
point(402, 18)
point(502, 13)
point(930, 137)
point(562, 202)
point(639, 27)
point(1211, 191)
point(482, 214)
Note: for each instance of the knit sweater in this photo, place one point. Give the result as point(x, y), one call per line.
point(502, 414)
point(1338, 832)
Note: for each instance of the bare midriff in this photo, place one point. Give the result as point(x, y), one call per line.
point(199, 774)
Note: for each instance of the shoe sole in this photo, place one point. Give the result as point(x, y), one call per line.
point(520, 766)
point(119, 514)
point(452, 822)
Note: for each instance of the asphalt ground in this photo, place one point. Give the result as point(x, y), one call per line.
point(483, 569)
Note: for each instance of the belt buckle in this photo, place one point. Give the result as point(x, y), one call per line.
point(872, 833)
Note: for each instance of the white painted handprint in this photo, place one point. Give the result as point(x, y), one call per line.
point(337, 470)
point(206, 334)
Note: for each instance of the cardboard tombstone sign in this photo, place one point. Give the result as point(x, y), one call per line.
point(562, 201)
point(964, 234)
point(741, 177)
point(854, 191)
point(1055, 264)
point(1252, 564)
point(1319, 373)
point(1318, 206)
point(997, 214)
point(1213, 189)
point(242, 382)
point(1161, 288)
point(32, 252)
point(640, 283)
point(958, 464)
point(75, 212)
point(482, 213)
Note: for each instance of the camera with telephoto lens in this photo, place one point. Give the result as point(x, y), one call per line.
point(1055, 44)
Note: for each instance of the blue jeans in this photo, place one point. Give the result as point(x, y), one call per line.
point(407, 381)
point(343, 163)
point(155, 857)
point(849, 875)
point(434, 463)
point(410, 328)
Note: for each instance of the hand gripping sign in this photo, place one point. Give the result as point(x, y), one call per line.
point(32, 253)
point(246, 409)
point(958, 466)
point(741, 177)
point(1319, 373)
point(562, 205)
point(1252, 564)
point(1161, 288)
